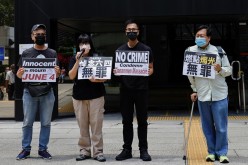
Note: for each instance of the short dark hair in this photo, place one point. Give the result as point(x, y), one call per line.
point(208, 28)
point(84, 38)
point(131, 21)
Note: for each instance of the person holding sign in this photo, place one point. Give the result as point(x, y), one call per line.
point(88, 102)
point(134, 55)
point(212, 97)
point(38, 94)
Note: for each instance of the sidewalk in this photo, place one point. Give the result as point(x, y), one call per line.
point(165, 138)
point(166, 132)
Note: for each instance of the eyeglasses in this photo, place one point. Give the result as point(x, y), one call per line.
point(40, 34)
point(132, 30)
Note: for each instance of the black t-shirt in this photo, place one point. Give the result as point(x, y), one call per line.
point(33, 53)
point(85, 89)
point(136, 82)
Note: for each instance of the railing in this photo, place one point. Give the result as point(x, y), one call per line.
point(236, 76)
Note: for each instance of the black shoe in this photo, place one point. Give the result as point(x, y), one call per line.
point(125, 154)
point(145, 156)
point(82, 157)
point(100, 158)
point(45, 154)
point(23, 155)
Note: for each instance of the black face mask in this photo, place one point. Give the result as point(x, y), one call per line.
point(132, 35)
point(40, 40)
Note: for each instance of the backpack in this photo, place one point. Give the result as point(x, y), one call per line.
point(220, 51)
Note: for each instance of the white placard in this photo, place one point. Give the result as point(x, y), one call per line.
point(132, 63)
point(97, 67)
point(199, 64)
point(39, 70)
point(23, 47)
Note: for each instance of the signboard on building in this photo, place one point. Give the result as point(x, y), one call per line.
point(199, 64)
point(1, 53)
point(23, 47)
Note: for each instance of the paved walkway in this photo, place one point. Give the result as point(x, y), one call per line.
point(165, 138)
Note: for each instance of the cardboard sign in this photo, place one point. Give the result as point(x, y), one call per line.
point(199, 64)
point(97, 67)
point(39, 70)
point(132, 63)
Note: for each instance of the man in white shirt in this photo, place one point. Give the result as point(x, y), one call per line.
point(212, 98)
point(10, 82)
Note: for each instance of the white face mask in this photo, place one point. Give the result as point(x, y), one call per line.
point(85, 46)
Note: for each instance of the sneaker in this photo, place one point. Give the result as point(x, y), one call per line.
point(100, 158)
point(145, 156)
point(210, 158)
point(23, 155)
point(224, 159)
point(125, 154)
point(45, 154)
point(82, 157)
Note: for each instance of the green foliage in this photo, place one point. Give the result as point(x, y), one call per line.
point(7, 12)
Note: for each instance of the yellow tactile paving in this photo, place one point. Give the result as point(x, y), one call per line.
point(197, 148)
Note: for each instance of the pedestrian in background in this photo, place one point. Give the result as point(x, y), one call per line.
point(88, 102)
point(62, 75)
point(10, 82)
point(212, 98)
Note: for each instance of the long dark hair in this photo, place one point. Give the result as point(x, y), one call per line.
point(85, 38)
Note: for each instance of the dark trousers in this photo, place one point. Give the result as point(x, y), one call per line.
point(129, 98)
point(11, 89)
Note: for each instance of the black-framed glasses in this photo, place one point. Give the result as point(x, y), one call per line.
point(132, 30)
point(40, 34)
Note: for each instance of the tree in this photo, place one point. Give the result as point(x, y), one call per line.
point(7, 12)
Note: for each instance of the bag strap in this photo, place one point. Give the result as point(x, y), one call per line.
point(220, 51)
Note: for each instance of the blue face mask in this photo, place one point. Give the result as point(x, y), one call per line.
point(200, 41)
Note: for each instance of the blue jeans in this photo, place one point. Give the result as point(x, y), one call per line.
point(31, 104)
point(214, 118)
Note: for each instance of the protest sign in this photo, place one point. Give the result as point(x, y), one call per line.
point(95, 67)
point(132, 63)
point(39, 70)
point(199, 64)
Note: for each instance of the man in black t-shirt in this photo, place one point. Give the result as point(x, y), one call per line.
point(44, 101)
point(134, 92)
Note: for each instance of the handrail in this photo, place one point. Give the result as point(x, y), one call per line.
point(240, 75)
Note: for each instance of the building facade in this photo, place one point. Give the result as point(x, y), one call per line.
point(168, 27)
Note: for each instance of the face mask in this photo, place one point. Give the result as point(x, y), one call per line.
point(132, 35)
point(200, 41)
point(86, 48)
point(40, 40)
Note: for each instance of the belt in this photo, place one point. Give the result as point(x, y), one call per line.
point(36, 84)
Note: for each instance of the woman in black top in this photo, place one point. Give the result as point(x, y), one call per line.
point(88, 103)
